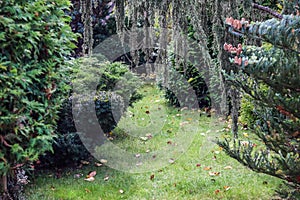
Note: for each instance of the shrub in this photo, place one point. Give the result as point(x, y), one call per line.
point(247, 112)
point(185, 83)
point(68, 150)
point(36, 42)
point(116, 90)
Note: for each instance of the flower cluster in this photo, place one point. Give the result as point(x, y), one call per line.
point(237, 24)
point(236, 50)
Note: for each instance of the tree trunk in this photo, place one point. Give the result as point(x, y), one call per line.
point(4, 189)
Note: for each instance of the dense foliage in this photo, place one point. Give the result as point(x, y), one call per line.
point(36, 42)
point(103, 23)
point(116, 89)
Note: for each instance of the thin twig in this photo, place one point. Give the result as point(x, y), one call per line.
point(268, 10)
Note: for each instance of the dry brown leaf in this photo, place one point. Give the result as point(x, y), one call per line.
point(207, 168)
point(152, 177)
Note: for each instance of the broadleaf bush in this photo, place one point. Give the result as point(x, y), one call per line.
point(35, 65)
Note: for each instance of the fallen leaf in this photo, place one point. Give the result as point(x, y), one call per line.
point(228, 167)
point(121, 191)
point(90, 179)
point(189, 119)
point(226, 187)
point(217, 191)
point(137, 155)
point(152, 177)
point(214, 173)
point(246, 134)
point(183, 123)
point(144, 138)
point(87, 190)
point(98, 164)
point(106, 178)
point(207, 168)
point(103, 161)
point(84, 162)
point(92, 174)
point(171, 161)
point(78, 175)
point(184, 108)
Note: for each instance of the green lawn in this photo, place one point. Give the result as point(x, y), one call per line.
point(181, 161)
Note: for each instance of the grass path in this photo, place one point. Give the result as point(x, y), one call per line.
point(161, 135)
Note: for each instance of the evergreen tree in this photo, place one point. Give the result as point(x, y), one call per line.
point(269, 74)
